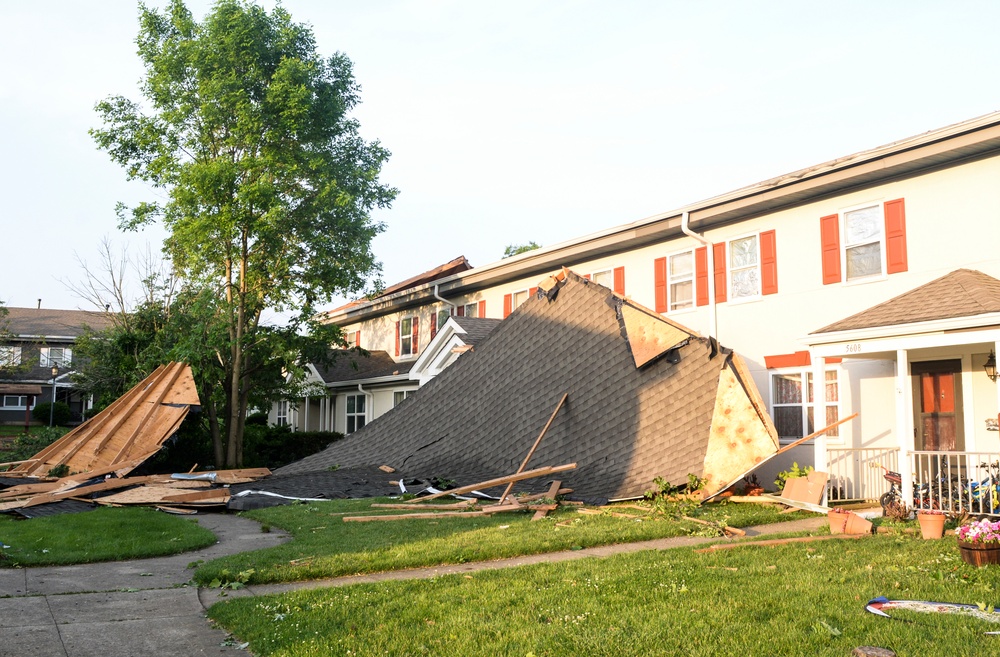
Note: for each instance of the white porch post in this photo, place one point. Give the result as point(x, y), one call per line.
point(904, 422)
point(305, 421)
point(322, 414)
point(820, 459)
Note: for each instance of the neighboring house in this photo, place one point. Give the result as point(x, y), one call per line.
point(40, 343)
point(798, 274)
point(458, 335)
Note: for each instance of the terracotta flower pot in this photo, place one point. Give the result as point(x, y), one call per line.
point(931, 524)
point(838, 521)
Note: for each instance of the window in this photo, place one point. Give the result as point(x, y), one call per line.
point(442, 317)
point(15, 402)
point(864, 243)
point(520, 297)
point(471, 310)
point(406, 336)
point(680, 281)
point(744, 268)
point(398, 397)
point(863, 233)
point(55, 357)
point(352, 338)
point(794, 419)
point(10, 356)
point(512, 301)
point(605, 278)
point(355, 412)
point(281, 414)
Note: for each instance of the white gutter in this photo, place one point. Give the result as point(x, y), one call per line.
point(370, 409)
point(713, 319)
point(441, 298)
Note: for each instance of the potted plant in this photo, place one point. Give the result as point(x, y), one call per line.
point(979, 542)
point(931, 523)
point(751, 486)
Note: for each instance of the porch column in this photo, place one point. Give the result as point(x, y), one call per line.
point(904, 422)
point(305, 422)
point(820, 458)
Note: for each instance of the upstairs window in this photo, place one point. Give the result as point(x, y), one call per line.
point(863, 237)
point(352, 338)
point(605, 278)
point(407, 330)
point(398, 396)
point(680, 281)
point(515, 299)
point(864, 243)
point(10, 356)
point(744, 268)
point(55, 357)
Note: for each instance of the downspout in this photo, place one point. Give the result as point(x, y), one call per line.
point(713, 327)
point(371, 407)
point(441, 298)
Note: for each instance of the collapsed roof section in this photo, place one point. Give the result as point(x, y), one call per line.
point(647, 398)
point(126, 433)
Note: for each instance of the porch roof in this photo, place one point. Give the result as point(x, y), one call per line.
point(961, 293)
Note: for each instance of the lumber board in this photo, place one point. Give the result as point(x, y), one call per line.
point(401, 505)
point(543, 510)
point(531, 452)
point(414, 516)
point(197, 496)
point(499, 481)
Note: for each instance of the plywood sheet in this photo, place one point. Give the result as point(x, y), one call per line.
point(650, 337)
point(739, 439)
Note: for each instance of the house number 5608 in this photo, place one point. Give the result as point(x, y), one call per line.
point(854, 348)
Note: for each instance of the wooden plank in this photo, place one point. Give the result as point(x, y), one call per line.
point(815, 433)
point(414, 516)
point(551, 494)
point(197, 496)
point(524, 499)
point(531, 452)
point(499, 481)
point(144, 420)
point(459, 505)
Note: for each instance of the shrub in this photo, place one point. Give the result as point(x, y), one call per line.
point(272, 447)
point(794, 471)
point(61, 415)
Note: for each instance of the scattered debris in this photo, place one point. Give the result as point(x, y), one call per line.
point(872, 651)
point(881, 604)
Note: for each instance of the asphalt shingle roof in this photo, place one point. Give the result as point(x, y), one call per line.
point(622, 425)
point(47, 322)
point(476, 328)
point(355, 365)
point(961, 293)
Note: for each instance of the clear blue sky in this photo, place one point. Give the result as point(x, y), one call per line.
point(508, 121)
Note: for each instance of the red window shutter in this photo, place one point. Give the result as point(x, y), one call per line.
point(532, 292)
point(460, 311)
point(434, 324)
point(357, 338)
point(482, 308)
point(397, 338)
point(508, 305)
point(620, 280)
point(660, 284)
point(416, 332)
point(719, 253)
point(701, 276)
point(587, 276)
point(829, 230)
point(768, 263)
point(895, 236)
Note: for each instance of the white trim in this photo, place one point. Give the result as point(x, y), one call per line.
point(987, 323)
point(857, 347)
point(818, 404)
point(438, 354)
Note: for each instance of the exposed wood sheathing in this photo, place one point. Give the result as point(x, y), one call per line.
point(126, 433)
point(643, 393)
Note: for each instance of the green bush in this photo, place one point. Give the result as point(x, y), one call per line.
point(272, 447)
point(61, 415)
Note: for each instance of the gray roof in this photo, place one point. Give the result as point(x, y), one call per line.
point(47, 322)
point(357, 365)
point(623, 425)
point(476, 328)
point(961, 293)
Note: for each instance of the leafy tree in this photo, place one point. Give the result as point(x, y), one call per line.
point(267, 186)
point(515, 249)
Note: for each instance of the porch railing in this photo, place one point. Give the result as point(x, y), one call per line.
point(957, 481)
point(855, 474)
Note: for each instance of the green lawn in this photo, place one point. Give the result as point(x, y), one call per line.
point(105, 534)
point(324, 545)
point(796, 599)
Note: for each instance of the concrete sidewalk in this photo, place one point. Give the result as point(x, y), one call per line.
point(145, 607)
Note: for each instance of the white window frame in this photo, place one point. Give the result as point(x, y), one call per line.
point(10, 355)
point(45, 358)
point(610, 273)
point(730, 297)
point(406, 337)
point(844, 246)
point(20, 405)
point(806, 404)
point(351, 337)
point(671, 281)
point(471, 309)
point(281, 413)
point(396, 400)
point(355, 415)
point(514, 303)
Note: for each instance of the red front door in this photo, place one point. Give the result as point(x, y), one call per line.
point(939, 420)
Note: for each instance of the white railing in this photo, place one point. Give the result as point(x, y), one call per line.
point(958, 482)
point(855, 474)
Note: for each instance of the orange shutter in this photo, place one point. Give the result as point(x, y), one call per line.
point(620, 280)
point(416, 331)
point(587, 276)
point(357, 338)
point(719, 253)
point(660, 284)
point(397, 338)
point(701, 276)
point(482, 308)
point(768, 263)
point(508, 305)
point(434, 324)
point(895, 236)
point(532, 292)
point(460, 311)
point(829, 230)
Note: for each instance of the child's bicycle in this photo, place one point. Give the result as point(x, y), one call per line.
point(892, 501)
